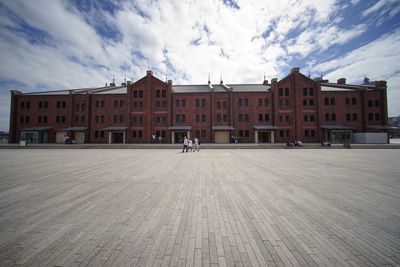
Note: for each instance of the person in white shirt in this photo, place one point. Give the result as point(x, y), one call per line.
point(185, 144)
point(196, 145)
point(190, 146)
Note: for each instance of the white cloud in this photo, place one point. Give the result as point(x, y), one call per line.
point(262, 36)
point(378, 60)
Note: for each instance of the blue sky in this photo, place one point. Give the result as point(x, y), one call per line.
point(51, 45)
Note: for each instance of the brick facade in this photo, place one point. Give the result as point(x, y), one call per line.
point(293, 108)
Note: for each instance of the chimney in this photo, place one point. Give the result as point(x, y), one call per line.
point(380, 84)
point(341, 81)
point(169, 81)
point(297, 70)
point(274, 80)
point(149, 73)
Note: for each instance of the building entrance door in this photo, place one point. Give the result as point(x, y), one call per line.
point(117, 138)
point(221, 137)
point(178, 139)
point(264, 137)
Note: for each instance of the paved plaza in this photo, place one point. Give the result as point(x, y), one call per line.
point(218, 207)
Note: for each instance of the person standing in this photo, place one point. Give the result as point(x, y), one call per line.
point(190, 146)
point(185, 144)
point(196, 145)
point(153, 138)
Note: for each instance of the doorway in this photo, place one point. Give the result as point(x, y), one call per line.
point(178, 138)
point(117, 138)
point(221, 137)
point(264, 137)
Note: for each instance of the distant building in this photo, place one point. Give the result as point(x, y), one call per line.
point(293, 108)
point(394, 121)
point(3, 137)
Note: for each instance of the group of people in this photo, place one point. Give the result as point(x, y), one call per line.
point(192, 145)
point(68, 140)
point(155, 139)
point(325, 143)
point(295, 143)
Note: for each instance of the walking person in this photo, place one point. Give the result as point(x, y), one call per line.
point(153, 138)
point(196, 145)
point(185, 144)
point(190, 146)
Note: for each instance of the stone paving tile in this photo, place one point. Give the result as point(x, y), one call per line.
point(210, 208)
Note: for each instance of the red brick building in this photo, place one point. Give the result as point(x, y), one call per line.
point(293, 108)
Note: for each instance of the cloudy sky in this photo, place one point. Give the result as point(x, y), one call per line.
point(50, 45)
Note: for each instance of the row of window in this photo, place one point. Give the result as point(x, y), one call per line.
point(99, 118)
point(223, 117)
point(263, 117)
point(42, 104)
point(373, 103)
point(60, 119)
point(200, 103)
point(283, 91)
point(26, 119)
point(80, 107)
point(26, 105)
point(161, 104)
point(201, 133)
point(161, 119)
point(329, 101)
point(118, 118)
point(283, 103)
point(61, 104)
point(180, 118)
point(79, 119)
point(309, 133)
point(101, 103)
point(351, 117)
point(242, 117)
point(137, 119)
point(243, 102)
point(42, 119)
point(139, 134)
point(119, 103)
point(263, 102)
point(308, 91)
point(137, 104)
point(244, 133)
point(308, 102)
point(284, 118)
point(375, 116)
point(200, 117)
point(138, 94)
point(159, 93)
point(351, 100)
point(98, 134)
point(309, 118)
point(180, 103)
point(223, 104)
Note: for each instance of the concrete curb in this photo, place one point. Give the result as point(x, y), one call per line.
point(203, 146)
